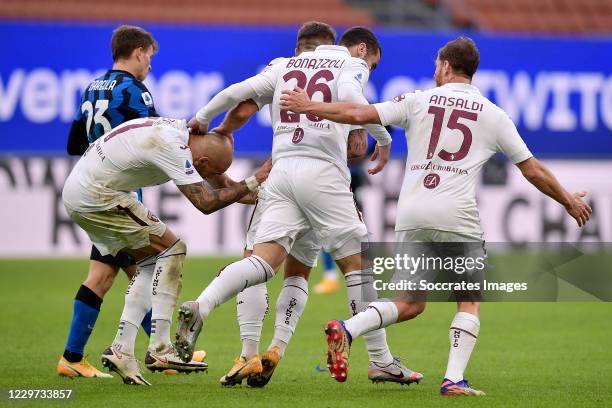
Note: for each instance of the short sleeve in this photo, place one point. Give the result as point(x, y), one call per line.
point(352, 80)
point(177, 162)
point(396, 111)
point(509, 142)
point(263, 101)
point(141, 101)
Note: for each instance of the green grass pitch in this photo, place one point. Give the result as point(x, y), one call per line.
point(528, 354)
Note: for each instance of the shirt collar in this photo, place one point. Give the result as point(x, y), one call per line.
point(337, 48)
point(462, 86)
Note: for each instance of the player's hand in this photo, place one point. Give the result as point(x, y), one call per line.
point(382, 153)
point(295, 100)
point(261, 174)
point(196, 128)
point(578, 209)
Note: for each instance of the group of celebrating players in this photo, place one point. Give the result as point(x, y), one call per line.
point(320, 119)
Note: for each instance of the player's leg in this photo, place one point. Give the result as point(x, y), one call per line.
point(463, 335)
point(252, 302)
point(86, 307)
point(290, 305)
point(281, 222)
point(130, 271)
point(329, 283)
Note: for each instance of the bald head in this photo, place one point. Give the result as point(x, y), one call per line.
point(212, 153)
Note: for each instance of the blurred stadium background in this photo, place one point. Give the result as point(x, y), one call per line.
point(548, 63)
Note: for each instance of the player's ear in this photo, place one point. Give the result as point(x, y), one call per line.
point(362, 50)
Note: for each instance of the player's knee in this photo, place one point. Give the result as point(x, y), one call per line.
point(469, 307)
point(409, 310)
point(100, 278)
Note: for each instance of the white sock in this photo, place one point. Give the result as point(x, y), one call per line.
point(463, 334)
point(331, 274)
point(125, 337)
point(160, 334)
point(289, 308)
point(251, 309)
point(136, 306)
point(361, 292)
point(377, 315)
point(232, 280)
point(165, 289)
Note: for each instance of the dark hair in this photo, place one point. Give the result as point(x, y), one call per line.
point(314, 33)
point(462, 55)
point(128, 38)
point(356, 35)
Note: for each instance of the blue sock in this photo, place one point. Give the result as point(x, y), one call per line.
point(84, 315)
point(328, 264)
point(146, 322)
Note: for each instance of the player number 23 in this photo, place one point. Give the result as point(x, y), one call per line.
point(98, 118)
point(453, 123)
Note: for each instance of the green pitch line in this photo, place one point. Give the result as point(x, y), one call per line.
point(528, 354)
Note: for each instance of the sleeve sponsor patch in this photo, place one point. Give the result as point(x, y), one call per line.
point(147, 99)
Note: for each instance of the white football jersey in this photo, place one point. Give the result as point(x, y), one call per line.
point(328, 74)
point(451, 132)
point(139, 153)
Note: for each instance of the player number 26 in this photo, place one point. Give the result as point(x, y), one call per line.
point(312, 87)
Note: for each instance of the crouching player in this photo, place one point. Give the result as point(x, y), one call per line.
point(97, 196)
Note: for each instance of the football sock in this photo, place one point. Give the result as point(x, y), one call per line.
point(463, 334)
point(137, 307)
point(330, 266)
point(361, 292)
point(160, 334)
point(125, 339)
point(233, 279)
point(377, 315)
point(165, 289)
point(146, 323)
point(251, 309)
point(289, 308)
point(85, 310)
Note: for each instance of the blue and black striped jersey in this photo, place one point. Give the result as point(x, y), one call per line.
point(112, 99)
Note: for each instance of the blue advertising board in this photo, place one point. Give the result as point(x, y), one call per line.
point(557, 90)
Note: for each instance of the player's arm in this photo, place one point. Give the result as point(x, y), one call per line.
point(208, 200)
point(297, 101)
point(224, 181)
point(512, 145)
point(357, 144)
point(545, 181)
point(261, 85)
point(237, 117)
point(77, 138)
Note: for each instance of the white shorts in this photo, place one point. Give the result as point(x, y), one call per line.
point(127, 225)
point(306, 249)
point(307, 195)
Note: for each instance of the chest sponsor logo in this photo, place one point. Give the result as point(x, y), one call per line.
point(298, 135)
point(431, 181)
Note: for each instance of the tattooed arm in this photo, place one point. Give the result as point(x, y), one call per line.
point(208, 200)
point(357, 144)
point(223, 181)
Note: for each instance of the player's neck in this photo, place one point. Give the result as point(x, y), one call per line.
point(124, 66)
point(458, 79)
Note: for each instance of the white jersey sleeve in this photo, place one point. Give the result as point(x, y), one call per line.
point(262, 101)
point(350, 89)
point(509, 142)
point(396, 111)
point(177, 162)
